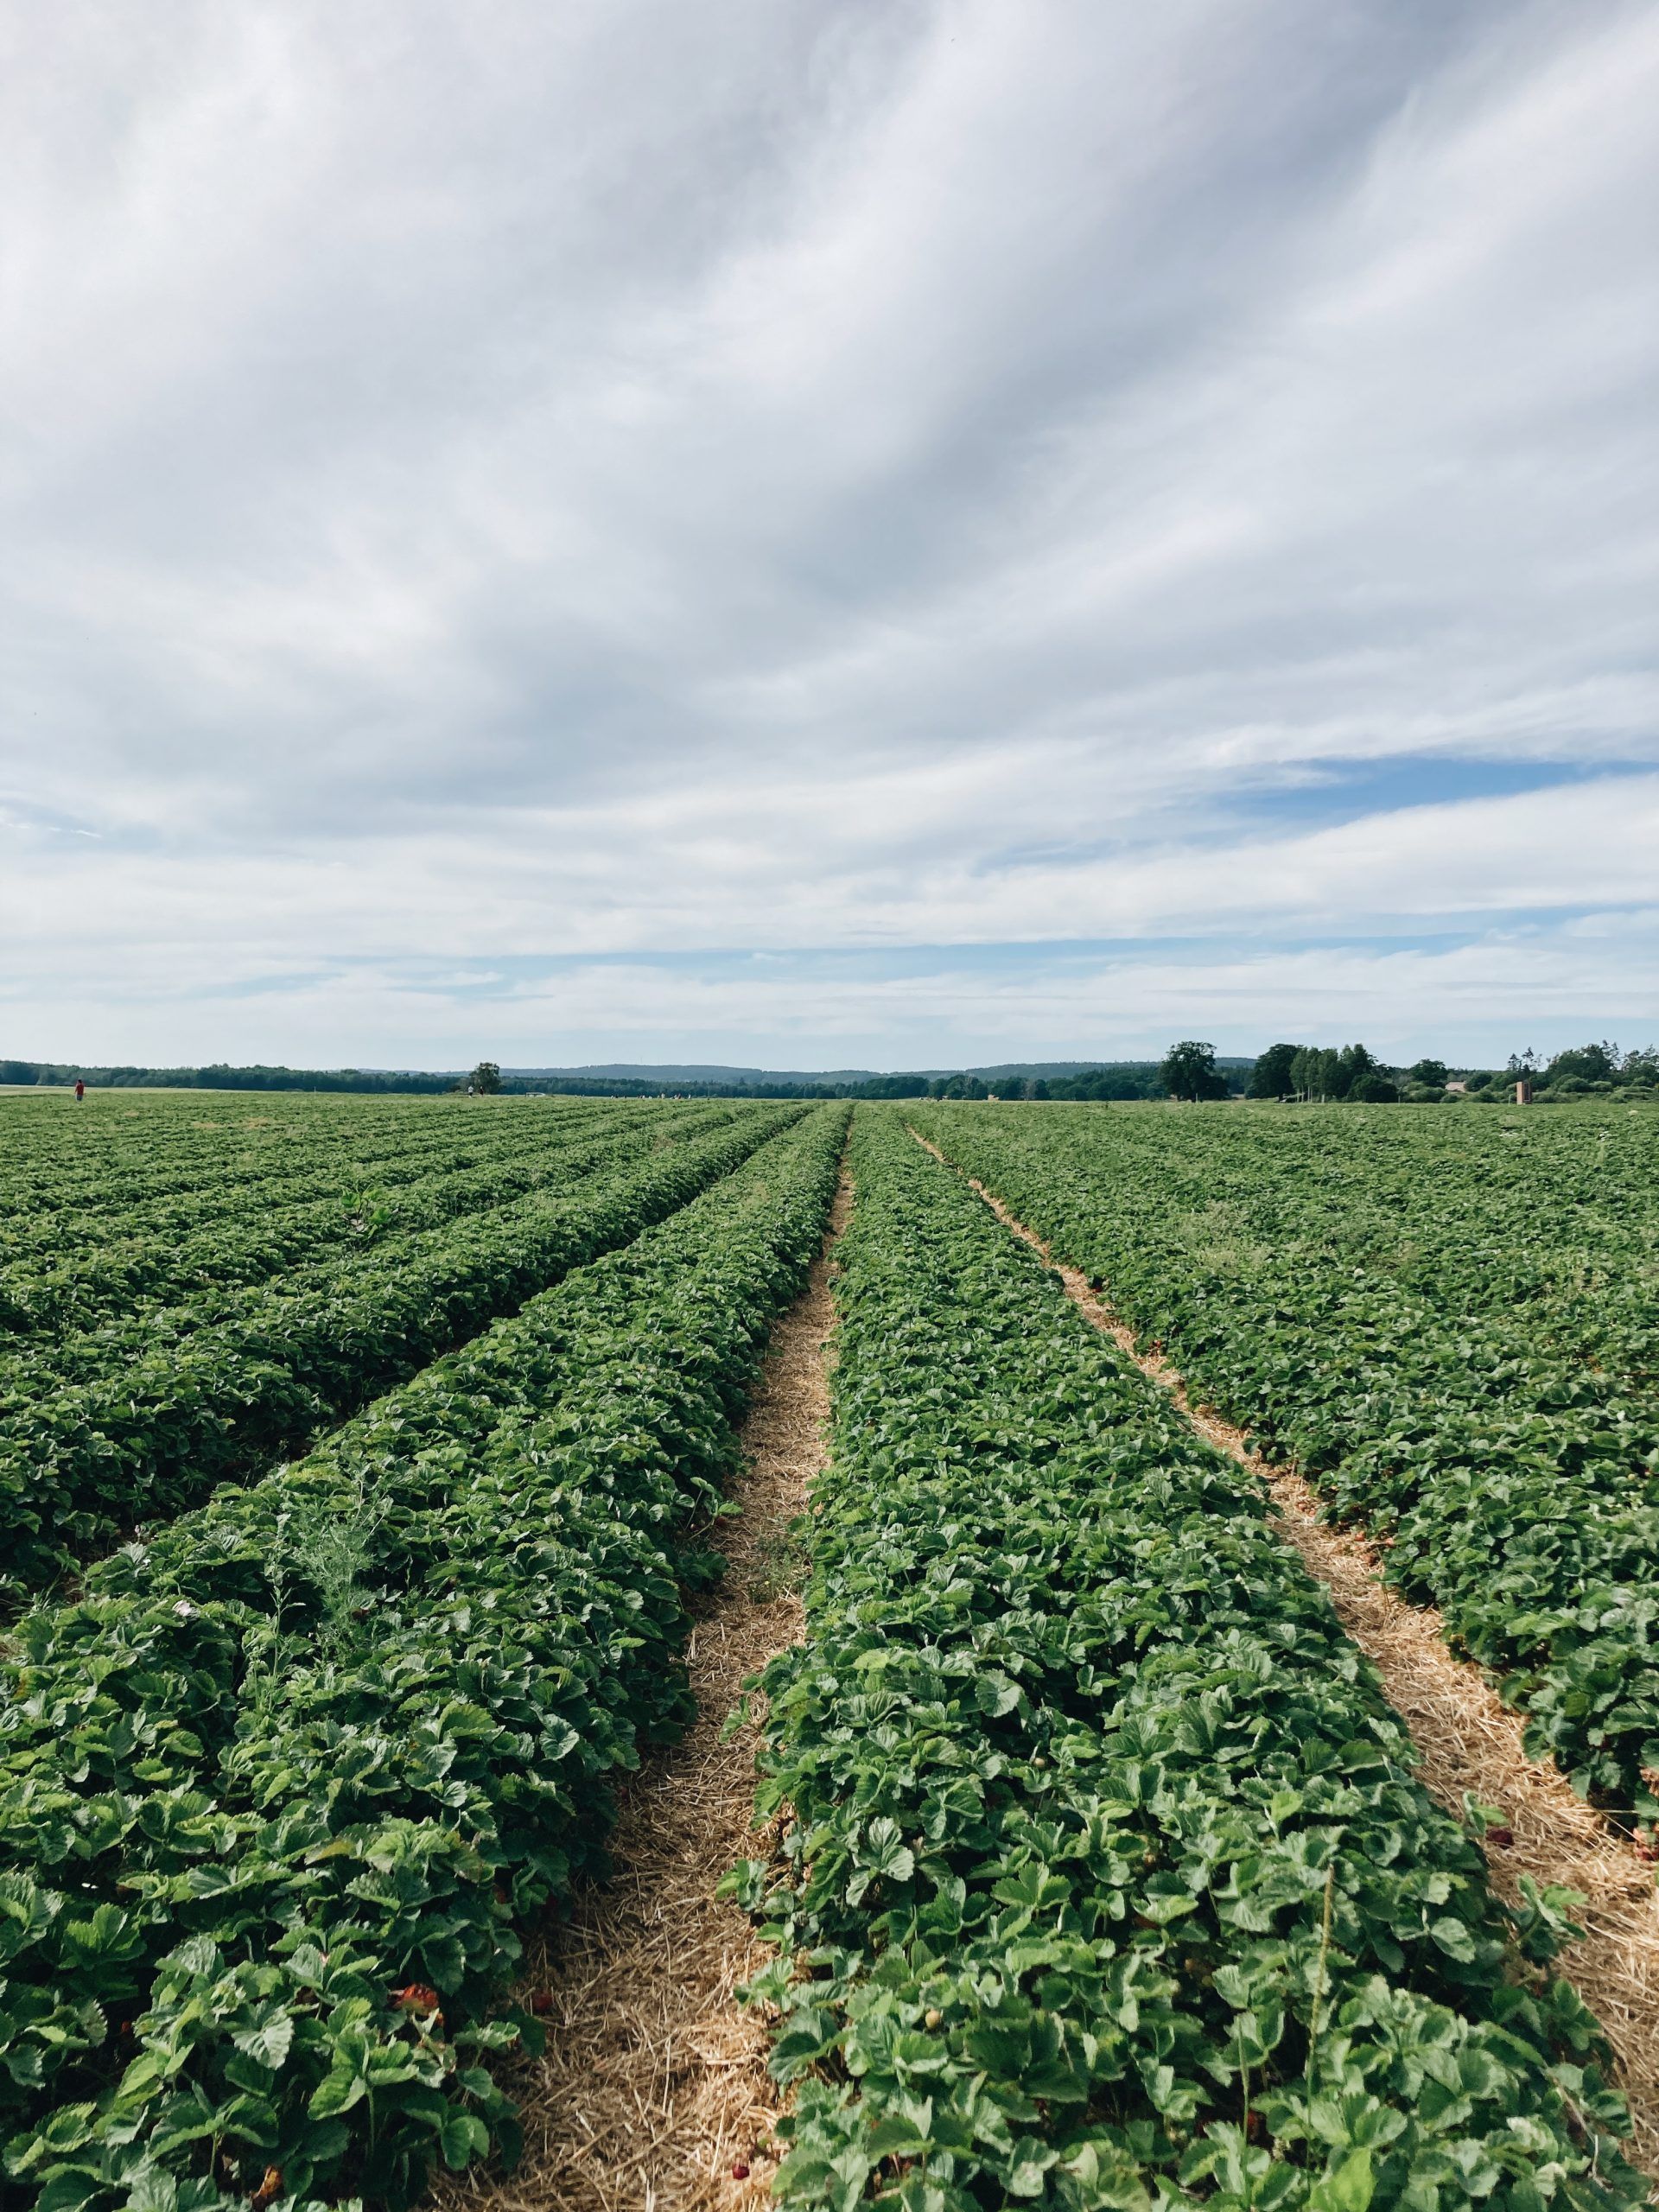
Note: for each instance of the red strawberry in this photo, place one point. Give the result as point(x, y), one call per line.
point(417, 1997)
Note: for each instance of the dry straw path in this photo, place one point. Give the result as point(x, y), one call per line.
point(654, 2088)
point(1466, 1740)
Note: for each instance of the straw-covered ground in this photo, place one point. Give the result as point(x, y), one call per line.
point(1468, 1744)
point(653, 2094)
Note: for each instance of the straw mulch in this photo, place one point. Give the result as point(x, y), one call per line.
point(1467, 1741)
point(653, 2094)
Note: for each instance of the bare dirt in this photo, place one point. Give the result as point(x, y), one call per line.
point(1467, 1743)
point(653, 2094)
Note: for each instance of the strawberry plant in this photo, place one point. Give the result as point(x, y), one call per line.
point(277, 1795)
point(1104, 1880)
point(86, 1273)
point(1446, 1324)
point(145, 1416)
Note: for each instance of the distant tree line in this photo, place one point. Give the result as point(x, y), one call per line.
point(1314, 1072)
point(222, 1076)
point(1118, 1079)
point(1583, 1069)
point(1321, 1073)
point(1122, 1079)
point(1188, 1072)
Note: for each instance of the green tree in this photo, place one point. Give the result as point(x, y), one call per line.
point(1433, 1072)
point(1353, 1062)
point(1271, 1076)
point(1188, 1071)
point(1589, 1063)
point(1317, 1073)
point(486, 1078)
point(1373, 1088)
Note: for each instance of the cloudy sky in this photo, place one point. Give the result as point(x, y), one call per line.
point(848, 532)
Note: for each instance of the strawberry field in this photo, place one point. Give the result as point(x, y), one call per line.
point(1449, 1323)
point(1105, 1880)
point(362, 1469)
point(282, 1778)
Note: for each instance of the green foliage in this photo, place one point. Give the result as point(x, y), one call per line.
point(1271, 1076)
point(84, 1254)
point(143, 1414)
point(1356, 1068)
point(484, 1079)
point(278, 1794)
point(1447, 1323)
point(1371, 1087)
point(1311, 1071)
point(1106, 1882)
point(1432, 1073)
point(1101, 1084)
point(1588, 1063)
point(1188, 1071)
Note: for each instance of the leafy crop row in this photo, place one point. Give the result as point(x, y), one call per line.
point(158, 1422)
point(275, 1796)
point(62, 1162)
point(85, 1284)
point(225, 1181)
point(1104, 1879)
point(1481, 1387)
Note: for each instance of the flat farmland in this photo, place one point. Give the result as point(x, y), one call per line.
point(381, 1481)
point(1448, 1320)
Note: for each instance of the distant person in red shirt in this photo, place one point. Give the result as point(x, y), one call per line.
point(80, 1091)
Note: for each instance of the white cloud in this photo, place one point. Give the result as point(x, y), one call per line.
point(630, 481)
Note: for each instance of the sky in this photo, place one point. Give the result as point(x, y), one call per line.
point(864, 532)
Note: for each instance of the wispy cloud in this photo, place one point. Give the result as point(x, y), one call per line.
point(596, 485)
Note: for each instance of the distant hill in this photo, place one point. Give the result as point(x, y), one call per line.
point(676, 1072)
point(689, 1073)
point(1008, 1071)
point(1065, 1078)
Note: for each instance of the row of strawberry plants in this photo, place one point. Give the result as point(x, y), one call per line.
point(52, 1139)
point(1543, 1226)
point(104, 1159)
point(1510, 1469)
point(1104, 1878)
point(273, 1233)
point(160, 1421)
point(41, 1364)
point(277, 1797)
point(230, 1184)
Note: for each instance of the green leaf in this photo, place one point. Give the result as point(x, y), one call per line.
point(462, 2137)
point(336, 2092)
point(1453, 1938)
point(270, 2039)
point(1345, 2187)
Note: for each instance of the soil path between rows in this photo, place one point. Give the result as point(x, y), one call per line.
point(654, 2087)
point(1466, 1739)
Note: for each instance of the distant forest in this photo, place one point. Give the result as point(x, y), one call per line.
point(1190, 1069)
point(1113, 1079)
